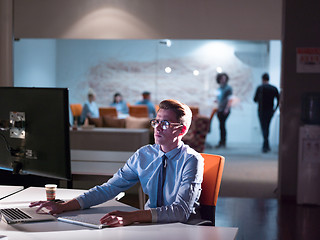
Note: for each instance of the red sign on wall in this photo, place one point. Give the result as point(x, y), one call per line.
point(308, 60)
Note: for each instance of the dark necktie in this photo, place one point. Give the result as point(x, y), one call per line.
point(162, 177)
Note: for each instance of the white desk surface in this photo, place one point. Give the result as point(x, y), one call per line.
point(60, 230)
point(8, 190)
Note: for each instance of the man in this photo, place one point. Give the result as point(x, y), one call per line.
point(90, 108)
point(265, 95)
point(169, 171)
point(146, 101)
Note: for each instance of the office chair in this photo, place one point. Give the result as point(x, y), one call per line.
point(212, 175)
point(139, 111)
point(76, 110)
point(108, 111)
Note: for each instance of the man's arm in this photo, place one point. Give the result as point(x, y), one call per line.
point(256, 96)
point(278, 99)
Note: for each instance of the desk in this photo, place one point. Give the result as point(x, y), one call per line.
point(60, 230)
point(8, 190)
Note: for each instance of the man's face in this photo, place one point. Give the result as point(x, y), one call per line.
point(168, 138)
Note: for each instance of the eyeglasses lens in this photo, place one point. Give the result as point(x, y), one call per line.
point(164, 124)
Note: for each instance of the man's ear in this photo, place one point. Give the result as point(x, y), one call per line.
point(183, 130)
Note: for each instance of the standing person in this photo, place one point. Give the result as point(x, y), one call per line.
point(90, 108)
point(119, 104)
point(146, 96)
point(169, 172)
point(224, 104)
point(265, 95)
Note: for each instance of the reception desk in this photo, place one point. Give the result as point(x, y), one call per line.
point(61, 230)
point(102, 151)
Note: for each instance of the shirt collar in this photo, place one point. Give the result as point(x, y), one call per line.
point(173, 152)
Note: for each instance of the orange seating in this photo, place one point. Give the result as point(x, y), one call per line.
point(214, 111)
point(76, 109)
point(108, 111)
point(212, 176)
point(140, 111)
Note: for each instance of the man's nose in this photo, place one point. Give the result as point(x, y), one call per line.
point(159, 127)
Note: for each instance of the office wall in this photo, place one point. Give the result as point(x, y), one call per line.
point(35, 63)
point(301, 21)
point(145, 19)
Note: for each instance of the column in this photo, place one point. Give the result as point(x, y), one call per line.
point(6, 41)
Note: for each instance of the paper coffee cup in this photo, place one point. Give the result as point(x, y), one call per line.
point(51, 191)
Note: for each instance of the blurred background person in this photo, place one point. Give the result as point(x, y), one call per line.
point(146, 96)
point(224, 98)
point(265, 96)
point(119, 104)
point(90, 108)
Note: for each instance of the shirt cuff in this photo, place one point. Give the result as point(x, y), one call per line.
point(80, 201)
point(154, 215)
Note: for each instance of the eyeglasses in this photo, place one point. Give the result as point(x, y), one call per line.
point(164, 124)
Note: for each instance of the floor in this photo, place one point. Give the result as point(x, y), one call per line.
point(268, 219)
point(248, 199)
point(248, 172)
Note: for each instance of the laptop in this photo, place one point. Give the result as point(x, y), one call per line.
point(24, 214)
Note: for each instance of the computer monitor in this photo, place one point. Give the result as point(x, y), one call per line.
point(34, 131)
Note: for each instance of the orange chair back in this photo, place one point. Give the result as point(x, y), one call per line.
point(108, 111)
point(76, 109)
point(213, 168)
point(140, 111)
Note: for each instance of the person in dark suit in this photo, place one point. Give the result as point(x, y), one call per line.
point(264, 96)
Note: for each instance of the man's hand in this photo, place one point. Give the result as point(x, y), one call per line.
point(53, 207)
point(120, 218)
point(56, 207)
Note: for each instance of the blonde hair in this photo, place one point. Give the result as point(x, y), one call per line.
point(182, 111)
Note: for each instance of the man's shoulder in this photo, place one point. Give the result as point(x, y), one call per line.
point(271, 88)
point(190, 152)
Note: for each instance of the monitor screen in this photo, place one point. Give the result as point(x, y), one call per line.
point(34, 131)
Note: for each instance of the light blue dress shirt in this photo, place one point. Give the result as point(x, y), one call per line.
point(89, 109)
point(181, 190)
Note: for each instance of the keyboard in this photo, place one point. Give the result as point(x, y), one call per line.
point(14, 214)
point(82, 220)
